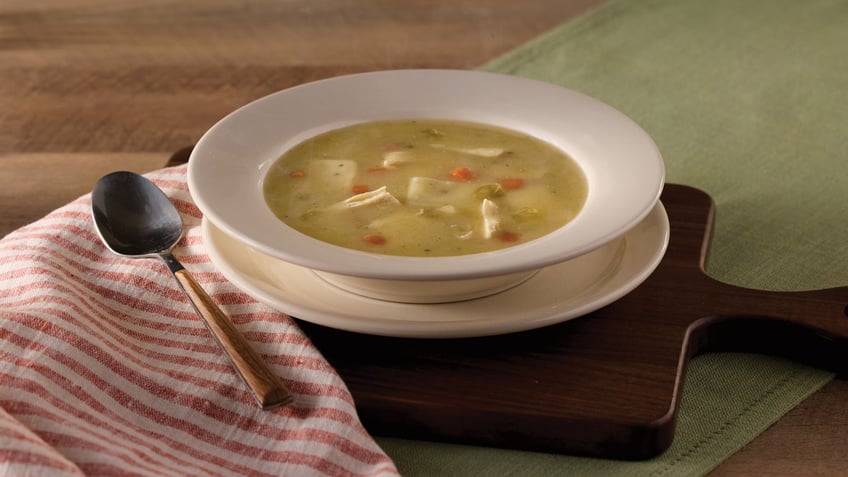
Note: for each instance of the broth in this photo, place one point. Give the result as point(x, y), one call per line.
point(425, 187)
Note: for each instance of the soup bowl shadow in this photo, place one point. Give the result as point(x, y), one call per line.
point(600, 261)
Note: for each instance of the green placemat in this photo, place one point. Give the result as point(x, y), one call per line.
point(747, 100)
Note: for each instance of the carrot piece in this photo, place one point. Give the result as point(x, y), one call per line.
point(297, 173)
point(511, 183)
point(374, 239)
point(462, 174)
point(378, 170)
point(360, 188)
point(507, 236)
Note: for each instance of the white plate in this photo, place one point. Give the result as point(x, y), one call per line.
point(623, 166)
point(555, 294)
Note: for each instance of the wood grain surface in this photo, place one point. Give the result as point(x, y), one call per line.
point(91, 86)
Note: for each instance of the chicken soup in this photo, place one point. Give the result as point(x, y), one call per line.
point(425, 187)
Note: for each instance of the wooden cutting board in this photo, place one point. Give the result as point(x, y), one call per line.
point(606, 384)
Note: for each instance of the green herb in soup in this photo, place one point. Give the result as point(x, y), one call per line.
point(425, 187)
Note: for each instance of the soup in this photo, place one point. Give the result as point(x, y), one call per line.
point(425, 187)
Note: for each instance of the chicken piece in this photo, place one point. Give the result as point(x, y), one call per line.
point(379, 196)
point(491, 218)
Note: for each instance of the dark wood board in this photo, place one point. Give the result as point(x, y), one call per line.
point(606, 384)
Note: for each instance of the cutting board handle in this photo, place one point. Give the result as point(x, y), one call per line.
point(810, 327)
point(807, 326)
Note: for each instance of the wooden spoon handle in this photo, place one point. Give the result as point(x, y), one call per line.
point(266, 386)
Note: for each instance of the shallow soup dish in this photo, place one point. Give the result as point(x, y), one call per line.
point(237, 162)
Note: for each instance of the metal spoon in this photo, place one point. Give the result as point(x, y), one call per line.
point(135, 219)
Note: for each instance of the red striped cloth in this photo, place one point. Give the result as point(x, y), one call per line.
point(106, 369)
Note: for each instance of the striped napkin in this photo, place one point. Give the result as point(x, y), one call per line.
point(105, 368)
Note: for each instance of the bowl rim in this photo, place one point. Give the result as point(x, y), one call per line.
point(622, 164)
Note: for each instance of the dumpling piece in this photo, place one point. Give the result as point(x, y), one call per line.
point(396, 158)
point(474, 151)
point(331, 175)
point(432, 193)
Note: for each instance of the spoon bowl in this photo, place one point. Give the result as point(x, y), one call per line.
point(135, 219)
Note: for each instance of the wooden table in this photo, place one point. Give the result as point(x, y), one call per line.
point(87, 87)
